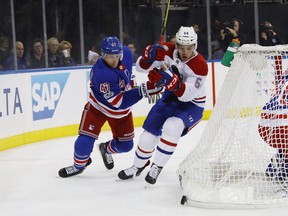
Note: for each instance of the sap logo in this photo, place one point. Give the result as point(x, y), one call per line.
point(46, 92)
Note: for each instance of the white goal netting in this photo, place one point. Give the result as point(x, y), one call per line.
point(229, 166)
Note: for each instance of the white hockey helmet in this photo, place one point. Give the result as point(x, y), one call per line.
point(186, 36)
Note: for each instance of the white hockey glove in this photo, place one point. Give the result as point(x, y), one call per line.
point(148, 89)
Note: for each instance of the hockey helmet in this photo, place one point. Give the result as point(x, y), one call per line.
point(111, 45)
point(186, 36)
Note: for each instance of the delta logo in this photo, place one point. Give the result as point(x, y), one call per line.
point(46, 93)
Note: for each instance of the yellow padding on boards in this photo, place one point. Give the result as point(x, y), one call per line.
point(57, 132)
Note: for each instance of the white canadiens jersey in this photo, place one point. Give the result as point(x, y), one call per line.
point(193, 73)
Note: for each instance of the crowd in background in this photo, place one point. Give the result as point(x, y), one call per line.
point(60, 53)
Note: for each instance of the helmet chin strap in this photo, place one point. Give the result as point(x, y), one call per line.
point(105, 54)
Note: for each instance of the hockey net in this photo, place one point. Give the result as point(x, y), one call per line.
point(227, 168)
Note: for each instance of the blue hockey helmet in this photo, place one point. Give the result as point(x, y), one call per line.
point(111, 45)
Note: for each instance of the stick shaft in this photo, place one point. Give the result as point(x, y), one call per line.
point(164, 23)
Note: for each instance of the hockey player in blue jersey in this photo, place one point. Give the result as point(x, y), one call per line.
point(181, 106)
point(110, 100)
point(273, 129)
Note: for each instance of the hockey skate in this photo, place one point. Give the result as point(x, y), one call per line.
point(277, 170)
point(132, 172)
point(153, 174)
point(72, 170)
point(107, 158)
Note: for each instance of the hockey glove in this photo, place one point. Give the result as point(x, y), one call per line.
point(164, 78)
point(148, 89)
point(153, 52)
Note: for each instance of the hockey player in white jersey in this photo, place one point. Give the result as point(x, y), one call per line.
point(181, 106)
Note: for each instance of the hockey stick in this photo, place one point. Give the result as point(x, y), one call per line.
point(164, 23)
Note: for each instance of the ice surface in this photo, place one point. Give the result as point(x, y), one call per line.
point(29, 184)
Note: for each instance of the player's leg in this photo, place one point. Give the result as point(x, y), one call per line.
point(184, 119)
point(81, 157)
point(143, 153)
point(89, 129)
point(171, 133)
point(146, 144)
point(123, 134)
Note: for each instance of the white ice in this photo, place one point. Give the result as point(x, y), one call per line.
point(29, 184)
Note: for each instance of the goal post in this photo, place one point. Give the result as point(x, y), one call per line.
point(227, 168)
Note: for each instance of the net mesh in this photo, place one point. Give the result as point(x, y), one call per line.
point(240, 160)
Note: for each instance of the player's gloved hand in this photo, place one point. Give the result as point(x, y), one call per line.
point(153, 53)
point(164, 78)
point(148, 89)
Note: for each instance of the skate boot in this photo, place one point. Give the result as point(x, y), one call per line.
point(107, 158)
point(153, 174)
point(72, 170)
point(278, 168)
point(132, 172)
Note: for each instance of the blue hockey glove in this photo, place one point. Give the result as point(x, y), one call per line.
point(164, 78)
point(153, 52)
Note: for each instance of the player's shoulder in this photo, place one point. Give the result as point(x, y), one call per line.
point(101, 72)
point(198, 65)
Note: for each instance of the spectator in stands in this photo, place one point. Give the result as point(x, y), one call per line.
point(21, 60)
point(196, 28)
point(215, 29)
point(268, 37)
point(202, 42)
point(230, 31)
point(37, 59)
point(92, 57)
point(54, 59)
point(64, 49)
point(133, 49)
point(217, 51)
point(172, 39)
point(127, 38)
point(4, 50)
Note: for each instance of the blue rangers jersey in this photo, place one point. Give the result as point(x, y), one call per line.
point(111, 91)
